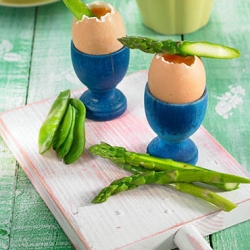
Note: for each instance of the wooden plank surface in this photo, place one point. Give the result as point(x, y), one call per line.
point(148, 216)
point(229, 24)
point(15, 57)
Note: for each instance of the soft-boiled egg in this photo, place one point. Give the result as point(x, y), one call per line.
point(176, 79)
point(98, 35)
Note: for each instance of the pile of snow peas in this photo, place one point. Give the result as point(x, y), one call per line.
point(64, 128)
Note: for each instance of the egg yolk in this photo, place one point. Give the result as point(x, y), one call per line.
point(188, 60)
point(100, 11)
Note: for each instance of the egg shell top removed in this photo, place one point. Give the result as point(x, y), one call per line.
point(174, 82)
point(98, 36)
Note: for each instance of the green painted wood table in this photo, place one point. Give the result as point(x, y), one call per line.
point(35, 64)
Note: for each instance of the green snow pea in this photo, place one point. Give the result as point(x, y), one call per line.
point(64, 148)
point(52, 121)
point(79, 140)
point(64, 128)
point(78, 8)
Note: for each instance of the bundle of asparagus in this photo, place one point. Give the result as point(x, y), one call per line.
point(147, 169)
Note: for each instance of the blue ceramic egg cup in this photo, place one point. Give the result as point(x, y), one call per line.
point(174, 124)
point(101, 74)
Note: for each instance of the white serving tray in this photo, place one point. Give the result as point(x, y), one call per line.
point(143, 218)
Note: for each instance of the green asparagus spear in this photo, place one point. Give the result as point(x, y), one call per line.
point(115, 187)
point(78, 8)
point(121, 155)
point(193, 189)
point(191, 175)
point(152, 177)
point(227, 186)
point(188, 188)
point(131, 168)
point(205, 194)
point(182, 48)
point(139, 170)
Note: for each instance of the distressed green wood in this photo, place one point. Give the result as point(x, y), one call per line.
point(51, 70)
point(16, 34)
point(25, 221)
point(7, 193)
point(229, 25)
point(33, 225)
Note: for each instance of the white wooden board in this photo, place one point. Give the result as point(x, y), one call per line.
point(144, 218)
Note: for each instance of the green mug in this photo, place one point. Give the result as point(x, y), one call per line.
point(171, 17)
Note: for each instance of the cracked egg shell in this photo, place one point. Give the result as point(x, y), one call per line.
point(176, 79)
point(98, 35)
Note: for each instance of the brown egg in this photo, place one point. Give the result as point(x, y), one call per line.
point(98, 35)
point(176, 79)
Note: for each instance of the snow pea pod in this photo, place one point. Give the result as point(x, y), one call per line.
point(79, 140)
point(64, 128)
point(64, 148)
point(52, 121)
point(78, 9)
